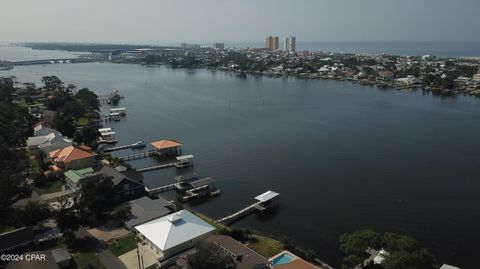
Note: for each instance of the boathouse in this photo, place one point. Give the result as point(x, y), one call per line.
point(267, 200)
point(120, 110)
point(167, 147)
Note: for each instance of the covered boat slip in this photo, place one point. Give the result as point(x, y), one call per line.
point(120, 110)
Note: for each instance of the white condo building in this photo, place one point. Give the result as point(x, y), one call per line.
point(289, 44)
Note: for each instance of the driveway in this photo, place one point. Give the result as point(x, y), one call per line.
point(130, 259)
point(111, 261)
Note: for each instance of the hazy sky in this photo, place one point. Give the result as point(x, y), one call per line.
point(173, 21)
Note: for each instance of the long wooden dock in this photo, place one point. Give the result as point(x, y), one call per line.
point(156, 167)
point(140, 155)
point(264, 202)
point(120, 147)
point(238, 215)
point(160, 189)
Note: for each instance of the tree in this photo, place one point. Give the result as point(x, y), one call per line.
point(357, 243)
point(122, 212)
point(32, 213)
point(16, 127)
point(87, 135)
point(64, 123)
point(68, 220)
point(40, 180)
point(88, 99)
point(403, 252)
point(97, 196)
point(52, 83)
point(208, 256)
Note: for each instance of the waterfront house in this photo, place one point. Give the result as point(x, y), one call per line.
point(47, 139)
point(72, 158)
point(173, 234)
point(476, 77)
point(446, 266)
point(125, 187)
point(73, 177)
point(167, 147)
point(145, 209)
point(244, 257)
point(409, 80)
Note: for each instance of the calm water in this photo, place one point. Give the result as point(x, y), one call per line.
point(9, 52)
point(343, 156)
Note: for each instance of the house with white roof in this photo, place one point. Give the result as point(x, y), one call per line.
point(173, 234)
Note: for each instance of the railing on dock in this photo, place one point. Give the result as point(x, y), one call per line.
point(136, 156)
point(160, 189)
point(239, 214)
point(156, 167)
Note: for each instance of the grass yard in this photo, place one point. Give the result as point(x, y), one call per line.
point(123, 245)
point(82, 122)
point(84, 258)
point(54, 186)
point(265, 246)
point(210, 221)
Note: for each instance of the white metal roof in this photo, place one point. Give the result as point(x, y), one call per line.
point(103, 130)
point(118, 109)
point(174, 229)
point(446, 266)
point(184, 157)
point(266, 196)
point(107, 133)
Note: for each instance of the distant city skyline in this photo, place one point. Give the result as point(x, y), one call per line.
point(248, 21)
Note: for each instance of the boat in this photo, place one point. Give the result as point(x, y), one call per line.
point(138, 144)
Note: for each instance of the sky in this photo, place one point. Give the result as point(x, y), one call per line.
point(169, 22)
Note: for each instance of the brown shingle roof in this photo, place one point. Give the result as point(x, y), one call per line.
point(244, 257)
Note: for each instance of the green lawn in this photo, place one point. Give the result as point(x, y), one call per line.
point(34, 165)
point(123, 245)
point(55, 186)
point(84, 258)
point(82, 122)
point(6, 229)
point(210, 221)
point(267, 247)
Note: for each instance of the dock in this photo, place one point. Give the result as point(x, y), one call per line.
point(156, 167)
point(109, 98)
point(136, 156)
point(264, 201)
point(158, 190)
point(133, 145)
point(188, 186)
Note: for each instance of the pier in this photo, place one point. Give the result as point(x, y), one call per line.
point(265, 201)
point(156, 167)
point(140, 155)
point(110, 98)
point(158, 190)
point(133, 145)
point(188, 186)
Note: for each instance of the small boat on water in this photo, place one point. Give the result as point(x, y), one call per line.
point(138, 144)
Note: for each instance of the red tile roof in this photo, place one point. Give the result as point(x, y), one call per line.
point(165, 144)
point(70, 153)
